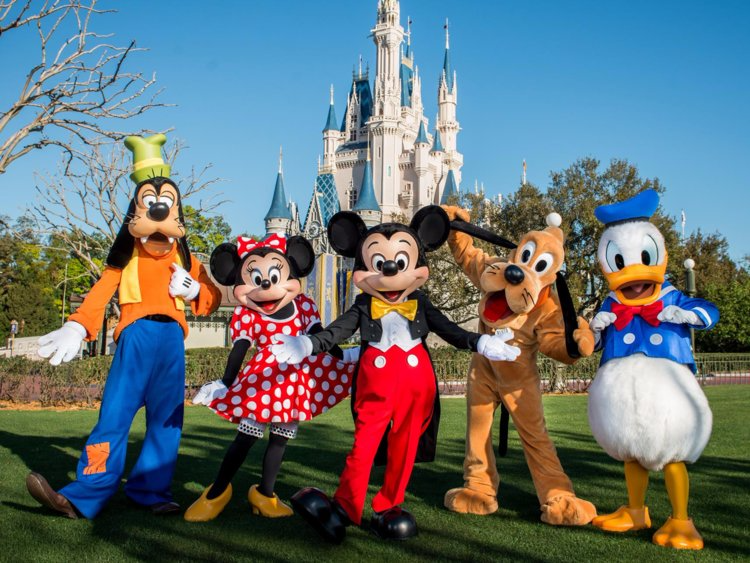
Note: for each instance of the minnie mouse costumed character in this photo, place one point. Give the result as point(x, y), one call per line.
point(395, 388)
point(265, 275)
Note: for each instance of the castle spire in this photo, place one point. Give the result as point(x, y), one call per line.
point(278, 217)
point(450, 190)
point(331, 121)
point(448, 74)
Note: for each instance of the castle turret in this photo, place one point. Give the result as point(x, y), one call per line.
point(447, 101)
point(279, 218)
point(450, 190)
point(367, 204)
point(331, 139)
point(421, 151)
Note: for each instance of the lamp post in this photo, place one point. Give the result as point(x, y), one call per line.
point(690, 290)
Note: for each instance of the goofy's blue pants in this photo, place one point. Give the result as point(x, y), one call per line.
point(148, 370)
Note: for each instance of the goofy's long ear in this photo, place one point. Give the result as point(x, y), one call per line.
point(224, 264)
point(432, 226)
point(182, 244)
point(301, 256)
point(122, 249)
point(345, 230)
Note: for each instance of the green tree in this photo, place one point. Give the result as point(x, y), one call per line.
point(205, 232)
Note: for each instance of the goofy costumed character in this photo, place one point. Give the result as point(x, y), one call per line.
point(156, 277)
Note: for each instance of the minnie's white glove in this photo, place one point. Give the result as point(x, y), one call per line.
point(351, 355)
point(496, 348)
point(64, 343)
point(210, 392)
point(291, 349)
point(677, 315)
point(182, 284)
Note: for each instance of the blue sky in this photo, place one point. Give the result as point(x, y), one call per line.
point(664, 84)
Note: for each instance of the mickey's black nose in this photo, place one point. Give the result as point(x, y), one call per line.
point(158, 211)
point(390, 268)
point(514, 274)
point(265, 284)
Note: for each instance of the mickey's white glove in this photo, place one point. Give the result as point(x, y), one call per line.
point(496, 348)
point(291, 349)
point(601, 321)
point(210, 392)
point(62, 344)
point(351, 355)
point(182, 285)
point(677, 315)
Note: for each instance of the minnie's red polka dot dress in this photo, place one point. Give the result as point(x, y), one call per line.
point(267, 391)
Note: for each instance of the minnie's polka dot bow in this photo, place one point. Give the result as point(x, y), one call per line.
point(246, 245)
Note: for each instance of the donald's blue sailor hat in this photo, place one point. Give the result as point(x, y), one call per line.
point(638, 208)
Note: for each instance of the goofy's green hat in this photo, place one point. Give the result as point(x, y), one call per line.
point(147, 158)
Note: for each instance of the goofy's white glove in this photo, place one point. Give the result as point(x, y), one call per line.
point(62, 344)
point(291, 349)
point(182, 285)
point(496, 348)
point(677, 315)
point(601, 321)
point(351, 355)
point(209, 392)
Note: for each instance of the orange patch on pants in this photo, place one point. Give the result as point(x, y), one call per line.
point(97, 455)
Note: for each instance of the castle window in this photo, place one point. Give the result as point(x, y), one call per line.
point(379, 152)
point(389, 171)
point(352, 193)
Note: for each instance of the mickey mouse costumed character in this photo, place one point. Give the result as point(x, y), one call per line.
point(395, 388)
point(151, 267)
point(646, 407)
point(266, 278)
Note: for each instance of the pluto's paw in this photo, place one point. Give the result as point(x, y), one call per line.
point(568, 511)
point(467, 501)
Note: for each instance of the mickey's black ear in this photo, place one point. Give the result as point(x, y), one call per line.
point(224, 264)
point(301, 256)
point(122, 249)
point(432, 225)
point(345, 229)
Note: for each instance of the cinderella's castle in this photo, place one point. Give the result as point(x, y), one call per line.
point(383, 160)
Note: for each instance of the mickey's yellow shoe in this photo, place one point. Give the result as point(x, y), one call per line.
point(203, 509)
point(270, 507)
point(624, 519)
point(678, 534)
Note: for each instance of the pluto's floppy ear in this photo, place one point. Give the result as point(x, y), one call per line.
point(122, 249)
point(225, 263)
point(481, 234)
point(345, 230)
point(570, 318)
point(432, 226)
point(301, 256)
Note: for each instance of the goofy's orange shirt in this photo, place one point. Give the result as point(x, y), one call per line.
point(147, 279)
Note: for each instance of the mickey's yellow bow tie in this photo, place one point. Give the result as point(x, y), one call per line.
point(407, 309)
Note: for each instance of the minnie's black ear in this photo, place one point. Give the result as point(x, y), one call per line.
point(122, 249)
point(432, 225)
point(301, 256)
point(224, 264)
point(345, 229)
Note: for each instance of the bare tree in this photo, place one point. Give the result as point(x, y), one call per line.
point(80, 208)
point(78, 86)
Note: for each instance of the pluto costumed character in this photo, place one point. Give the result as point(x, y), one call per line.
point(517, 294)
point(156, 277)
point(645, 405)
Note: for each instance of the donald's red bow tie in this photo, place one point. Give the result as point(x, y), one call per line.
point(246, 245)
point(625, 313)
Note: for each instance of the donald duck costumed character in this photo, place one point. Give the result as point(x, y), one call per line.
point(645, 406)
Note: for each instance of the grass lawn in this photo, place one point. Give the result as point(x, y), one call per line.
point(50, 442)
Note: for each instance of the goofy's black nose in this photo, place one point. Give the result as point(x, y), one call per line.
point(514, 274)
point(390, 268)
point(158, 211)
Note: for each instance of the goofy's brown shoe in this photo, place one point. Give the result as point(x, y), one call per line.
point(47, 496)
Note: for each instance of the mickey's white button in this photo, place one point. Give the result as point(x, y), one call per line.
point(656, 339)
point(380, 362)
point(629, 338)
point(412, 360)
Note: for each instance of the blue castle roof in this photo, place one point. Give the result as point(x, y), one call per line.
point(325, 186)
point(331, 121)
point(437, 146)
point(448, 70)
point(279, 208)
point(366, 200)
point(422, 135)
point(360, 86)
point(451, 188)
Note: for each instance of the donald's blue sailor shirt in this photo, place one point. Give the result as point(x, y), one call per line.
point(667, 340)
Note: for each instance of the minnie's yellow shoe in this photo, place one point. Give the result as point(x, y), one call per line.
point(624, 519)
point(678, 534)
point(203, 509)
point(270, 507)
